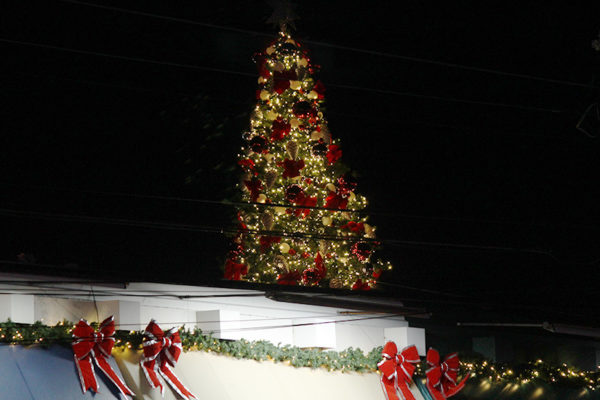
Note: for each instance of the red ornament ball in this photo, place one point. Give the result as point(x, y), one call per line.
point(259, 144)
point(319, 148)
point(304, 109)
point(294, 193)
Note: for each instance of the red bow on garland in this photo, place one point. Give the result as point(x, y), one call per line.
point(89, 344)
point(161, 352)
point(397, 370)
point(442, 377)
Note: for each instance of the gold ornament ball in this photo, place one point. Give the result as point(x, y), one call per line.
point(280, 210)
point(327, 221)
point(315, 135)
point(264, 95)
point(261, 198)
point(303, 62)
point(296, 85)
point(330, 187)
point(271, 115)
point(312, 95)
point(284, 248)
point(294, 123)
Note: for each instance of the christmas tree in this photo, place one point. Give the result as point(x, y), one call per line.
point(304, 223)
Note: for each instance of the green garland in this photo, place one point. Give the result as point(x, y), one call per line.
point(347, 360)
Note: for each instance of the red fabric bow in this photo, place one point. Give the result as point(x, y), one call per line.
point(89, 344)
point(267, 241)
point(234, 271)
point(289, 278)
point(312, 276)
point(305, 201)
point(356, 227)
point(320, 89)
point(360, 285)
point(161, 352)
point(282, 80)
point(397, 370)
point(254, 186)
point(334, 153)
point(292, 168)
point(279, 129)
point(248, 163)
point(442, 377)
point(336, 201)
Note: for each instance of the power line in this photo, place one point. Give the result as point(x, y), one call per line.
point(247, 74)
point(300, 235)
point(448, 99)
point(348, 48)
point(127, 58)
point(229, 203)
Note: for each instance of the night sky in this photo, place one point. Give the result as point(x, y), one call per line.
point(459, 120)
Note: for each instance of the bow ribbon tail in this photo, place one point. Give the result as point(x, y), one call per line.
point(455, 389)
point(172, 379)
point(150, 370)
point(435, 393)
point(103, 364)
point(404, 389)
point(388, 385)
point(86, 374)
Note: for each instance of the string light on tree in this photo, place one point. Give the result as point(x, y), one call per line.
point(296, 186)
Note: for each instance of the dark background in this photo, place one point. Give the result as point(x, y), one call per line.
point(483, 190)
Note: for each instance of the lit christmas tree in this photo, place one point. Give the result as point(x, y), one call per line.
point(304, 223)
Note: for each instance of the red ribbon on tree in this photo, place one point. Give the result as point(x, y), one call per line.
point(397, 370)
point(161, 352)
point(90, 345)
point(442, 377)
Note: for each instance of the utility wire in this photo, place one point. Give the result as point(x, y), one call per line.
point(301, 235)
point(292, 206)
point(232, 72)
point(347, 48)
